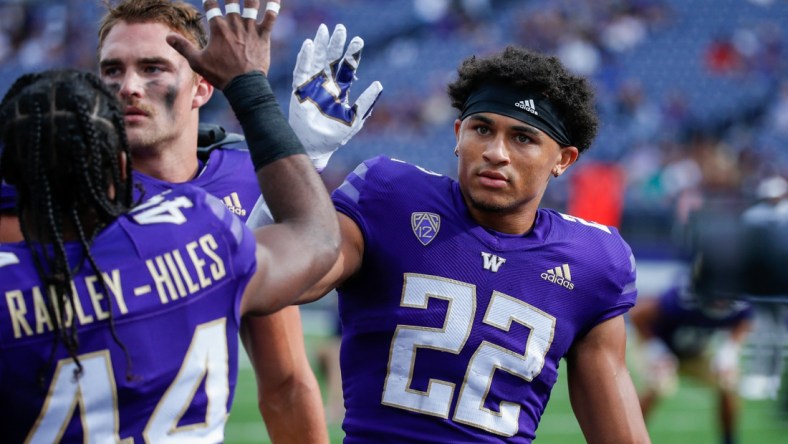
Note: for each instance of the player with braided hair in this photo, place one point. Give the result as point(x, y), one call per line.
point(144, 301)
point(92, 141)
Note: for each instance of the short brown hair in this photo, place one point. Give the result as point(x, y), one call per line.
point(179, 16)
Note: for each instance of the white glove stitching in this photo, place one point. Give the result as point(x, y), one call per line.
point(320, 110)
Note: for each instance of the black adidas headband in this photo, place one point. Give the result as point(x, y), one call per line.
point(523, 105)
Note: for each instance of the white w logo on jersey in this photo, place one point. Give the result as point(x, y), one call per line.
point(492, 262)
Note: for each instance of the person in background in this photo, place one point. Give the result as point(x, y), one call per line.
point(767, 217)
point(772, 202)
point(680, 332)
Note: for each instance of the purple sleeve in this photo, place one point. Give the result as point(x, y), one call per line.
point(623, 283)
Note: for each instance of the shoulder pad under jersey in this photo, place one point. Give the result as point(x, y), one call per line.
point(211, 136)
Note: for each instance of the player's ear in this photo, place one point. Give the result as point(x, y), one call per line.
point(457, 124)
point(568, 156)
point(203, 92)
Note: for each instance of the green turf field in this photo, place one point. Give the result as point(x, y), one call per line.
point(687, 418)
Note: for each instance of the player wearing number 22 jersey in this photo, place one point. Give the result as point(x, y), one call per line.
point(452, 332)
point(190, 280)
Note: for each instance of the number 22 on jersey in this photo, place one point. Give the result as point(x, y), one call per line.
point(488, 357)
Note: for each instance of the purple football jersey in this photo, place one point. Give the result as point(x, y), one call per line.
point(687, 327)
point(228, 174)
point(453, 332)
point(175, 269)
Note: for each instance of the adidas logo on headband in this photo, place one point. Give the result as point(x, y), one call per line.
point(527, 105)
point(536, 110)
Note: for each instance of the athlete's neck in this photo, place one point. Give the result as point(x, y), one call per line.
point(174, 170)
point(68, 232)
point(169, 165)
point(514, 223)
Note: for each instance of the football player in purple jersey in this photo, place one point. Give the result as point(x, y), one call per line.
point(459, 298)
point(163, 98)
point(681, 332)
point(120, 322)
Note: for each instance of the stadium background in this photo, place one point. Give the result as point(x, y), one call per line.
point(693, 96)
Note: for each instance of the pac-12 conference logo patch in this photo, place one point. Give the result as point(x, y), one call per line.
point(425, 226)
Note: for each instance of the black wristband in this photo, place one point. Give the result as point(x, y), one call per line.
point(267, 132)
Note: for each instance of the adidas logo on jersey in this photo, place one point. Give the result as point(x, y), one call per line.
point(233, 203)
point(527, 105)
point(560, 276)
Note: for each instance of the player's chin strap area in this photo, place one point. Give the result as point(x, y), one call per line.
point(211, 136)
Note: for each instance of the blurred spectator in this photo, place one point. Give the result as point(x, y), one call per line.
point(772, 205)
point(579, 55)
point(624, 32)
point(778, 112)
point(432, 11)
point(722, 56)
point(14, 28)
point(636, 115)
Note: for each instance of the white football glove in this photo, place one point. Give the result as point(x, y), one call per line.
point(320, 111)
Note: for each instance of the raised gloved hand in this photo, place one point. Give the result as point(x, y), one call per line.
point(320, 110)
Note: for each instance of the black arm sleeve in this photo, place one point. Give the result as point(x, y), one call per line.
point(267, 132)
